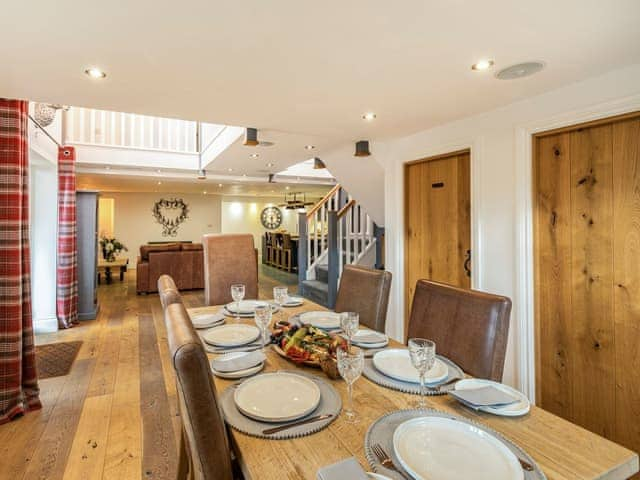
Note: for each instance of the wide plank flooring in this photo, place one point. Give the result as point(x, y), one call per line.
point(115, 415)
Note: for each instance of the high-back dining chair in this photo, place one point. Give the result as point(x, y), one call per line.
point(229, 259)
point(469, 327)
point(365, 291)
point(204, 446)
point(168, 291)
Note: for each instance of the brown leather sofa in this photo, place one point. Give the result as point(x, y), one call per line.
point(184, 262)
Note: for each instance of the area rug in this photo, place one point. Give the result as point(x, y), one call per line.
point(56, 359)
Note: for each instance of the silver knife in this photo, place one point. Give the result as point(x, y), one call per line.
point(317, 418)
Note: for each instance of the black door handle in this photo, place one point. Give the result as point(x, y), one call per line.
point(467, 263)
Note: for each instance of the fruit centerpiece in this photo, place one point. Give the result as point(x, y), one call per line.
point(305, 344)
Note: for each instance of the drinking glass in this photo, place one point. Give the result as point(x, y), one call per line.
point(423, 356)
point(280, 296)
point(263, 319)
point(350, 365)
point(237, 293)
point(349, 322)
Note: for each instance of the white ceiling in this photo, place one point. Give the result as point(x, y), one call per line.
point(128, 182)
point(307, 67)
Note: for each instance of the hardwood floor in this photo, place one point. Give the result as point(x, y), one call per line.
point(114, 416)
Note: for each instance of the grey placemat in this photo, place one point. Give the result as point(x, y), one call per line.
point(330, 403)
point(373, 374)
point(381, 432)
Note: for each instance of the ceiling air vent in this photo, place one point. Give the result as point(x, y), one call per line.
point(520, 70)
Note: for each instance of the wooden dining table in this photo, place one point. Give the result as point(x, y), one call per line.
point(562, 449)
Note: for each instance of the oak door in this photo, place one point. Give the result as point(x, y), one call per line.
point(587, 289)
point(437, 222)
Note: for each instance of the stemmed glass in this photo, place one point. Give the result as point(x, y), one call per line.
point(263, 319)
point(349, 322)
point(237, 293)
point(350, 365)
point(280, 295)
point(423, 356)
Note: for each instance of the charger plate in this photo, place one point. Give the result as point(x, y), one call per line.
point(330, 403)
point(373, 374)
point(382, 432)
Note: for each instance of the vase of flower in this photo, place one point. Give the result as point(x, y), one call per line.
point(111, 247)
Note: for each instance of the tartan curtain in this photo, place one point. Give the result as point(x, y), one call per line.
point(67, 281)
point(19, 390)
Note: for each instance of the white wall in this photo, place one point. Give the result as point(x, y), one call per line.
point(134, 224)
point(242, 215)
point(501, 189)
point(43, 223)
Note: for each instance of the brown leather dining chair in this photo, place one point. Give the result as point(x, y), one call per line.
point(469, 327)
point(365, 291)
point(168, 291)
point(204, 447)
point(229, 259)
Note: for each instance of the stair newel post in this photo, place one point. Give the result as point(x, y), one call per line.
point(303, 253)
point(378, 233)
point(333, 258)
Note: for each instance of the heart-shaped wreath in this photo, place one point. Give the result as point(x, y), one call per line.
point(170, 225)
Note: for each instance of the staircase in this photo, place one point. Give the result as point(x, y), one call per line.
point(334, 233)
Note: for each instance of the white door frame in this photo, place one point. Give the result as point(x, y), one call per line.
point(525, 295)
point(476, 149)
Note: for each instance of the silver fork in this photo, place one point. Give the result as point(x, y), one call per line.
point(384, 459)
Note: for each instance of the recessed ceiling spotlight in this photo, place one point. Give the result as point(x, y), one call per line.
point(229, 170)
point(159, 183)
point(107, 167)
point(309, 147)
point(482, 65)
point(287, 187)
point(254, 155)
point(244, 174)
point(519, 70)
point(95, 72)
point(220, 185)
point(159, 171)
point(369, 116)
point(269, 165)
point(204, 193)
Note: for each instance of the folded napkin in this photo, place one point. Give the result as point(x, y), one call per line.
point(369, 336)
point(205, 320)
point(348, 469)
point(235, 363)
point(488, 396)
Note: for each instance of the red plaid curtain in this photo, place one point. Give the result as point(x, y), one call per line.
point(67, 282)
point(18, 379)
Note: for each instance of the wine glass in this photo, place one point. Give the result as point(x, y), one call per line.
point(423, 356)
point(350, 365)
point(349, 322)
point(263, 319)
point(280, 295)
point(237, 293)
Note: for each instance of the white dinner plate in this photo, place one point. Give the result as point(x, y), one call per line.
point(396, 363)
point(277, 397)
point(293, 301)
point(231, 335)
point(247, 372)
point(431, 448)
point(384, 340)
point(522, 407)
point(245, 306)
point(206, 320)
point(324, 320)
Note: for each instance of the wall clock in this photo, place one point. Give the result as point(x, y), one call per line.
point(271, 218)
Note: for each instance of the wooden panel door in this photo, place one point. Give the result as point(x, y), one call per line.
point(587, 289)
point(437, 221)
